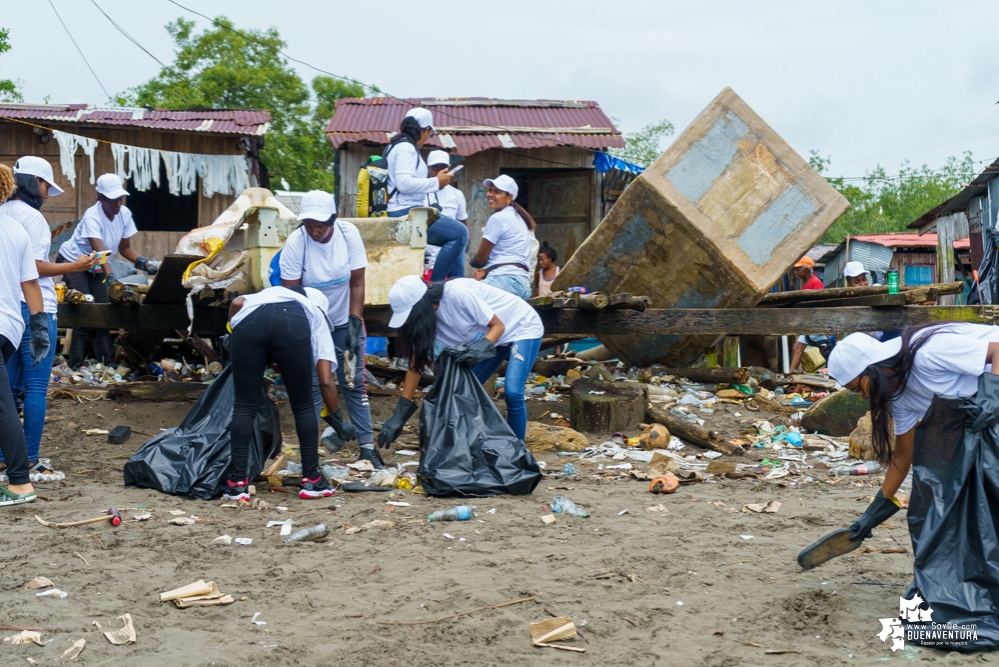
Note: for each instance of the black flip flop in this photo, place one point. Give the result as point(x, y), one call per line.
point(834, 544)
point(361, 486)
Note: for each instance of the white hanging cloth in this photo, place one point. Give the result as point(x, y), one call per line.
point(68, 143)
point(222, 174)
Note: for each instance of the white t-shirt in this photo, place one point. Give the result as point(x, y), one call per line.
point(41, 244)
point(467, 306)
point(511, 240)
point(451, 201)
point(948, 364)
point(17, 265)
point(322, 341)
point(327, 265)
point(94, 224)
point(407, 177)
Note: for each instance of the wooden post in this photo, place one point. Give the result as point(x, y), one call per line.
point(730, 352)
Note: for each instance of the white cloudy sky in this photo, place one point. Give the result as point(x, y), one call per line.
point(863, 81)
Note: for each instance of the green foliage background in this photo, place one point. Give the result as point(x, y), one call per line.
point(8, 88)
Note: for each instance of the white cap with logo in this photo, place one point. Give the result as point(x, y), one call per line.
point(40, 167)
point(853, 269)
point(423, 116)
point(111, 186)
point(317, 205)
point(438, 157)
point(405, 294)
point(504, 183)
point(856, 352)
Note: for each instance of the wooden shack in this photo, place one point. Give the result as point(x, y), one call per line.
point(547, 146)
point(161, 217)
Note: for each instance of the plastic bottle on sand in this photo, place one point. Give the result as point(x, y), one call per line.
point(863, 469)
point(459, 513)
point(307, 534)
point(562, 505)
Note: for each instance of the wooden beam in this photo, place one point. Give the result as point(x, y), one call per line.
point(874, 300)
point(208, 321)
point(783, 321)
point(784, 298)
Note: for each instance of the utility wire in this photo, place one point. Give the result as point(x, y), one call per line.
point(165, 67)
point(79, 50)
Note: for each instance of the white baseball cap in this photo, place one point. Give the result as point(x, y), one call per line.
point(111, 186)
point(504, 183)
point(405, 294)
point(40, 167)
point(856, 352)
point(438, 157)
point(853, 269)
point(423, 116)
point(317, 205)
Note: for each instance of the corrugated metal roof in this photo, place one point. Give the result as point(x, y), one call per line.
point(215, 121)
point(471, 125)
point(907, 240)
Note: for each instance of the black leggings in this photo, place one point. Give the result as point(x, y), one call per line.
point(12, 442)
point(281, 329)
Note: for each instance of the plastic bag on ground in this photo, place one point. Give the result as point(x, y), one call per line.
point(953, 513)
point(466, 446)
point(193, 458)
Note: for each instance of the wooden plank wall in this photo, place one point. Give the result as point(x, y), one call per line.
point(902, 259)
point(17, 139)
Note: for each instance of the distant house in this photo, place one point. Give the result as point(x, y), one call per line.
point(914, 256)
point(183, 168)
point(547, 146)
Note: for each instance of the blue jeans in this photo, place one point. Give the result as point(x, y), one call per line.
point(34, 381)
point(517, 285)
point(522, 354)
point(358, 407)
point(452, 237)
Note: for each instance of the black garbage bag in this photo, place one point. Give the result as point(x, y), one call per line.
point(953, 515)
point(466, 447)
point(193, 458)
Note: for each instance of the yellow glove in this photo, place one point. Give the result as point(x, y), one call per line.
point(228, 327)
point(325, 412)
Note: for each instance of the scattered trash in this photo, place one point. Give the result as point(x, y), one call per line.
point(177, 512)
point(747, 537)
point(223, 539)
point(562, 505)
point(866, 468)
point(548, 519)
point(54, 593)
point(769, 508)
point(245, 541)
point(405, 452)
point(679, 603)
point(560, 628)
point(622, 512)
point(459, 513)
point(213, 598)
point(255, 621)
point(25, 637)
point(183, 521)
point(569, 470)
point(145, 516)
point(316, 532)
point(378, 523)
point(123, 635)
point(449, 536)
point(38, 582)
point(197, 588)
point(657, 509)
point(95, 431)
point(73, 652)
point(285, 526)
point(665, 483)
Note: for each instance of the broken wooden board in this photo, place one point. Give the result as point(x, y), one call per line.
point(166, 287)
point(874, 300)
point(713, 223)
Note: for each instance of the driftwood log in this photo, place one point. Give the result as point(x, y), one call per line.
point(795, 296)
point(691, 432)
point(711, 375)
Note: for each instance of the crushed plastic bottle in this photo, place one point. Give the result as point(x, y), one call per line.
point(562, 505)
point(459, 513)
point(569, 470)
point(867, 468)
point(291, 468)
point(308, 534)
point(686, 416)
point(384, 477)
point(338, 473)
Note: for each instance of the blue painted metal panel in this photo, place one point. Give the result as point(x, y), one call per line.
point(782, 218)
point(707, 158)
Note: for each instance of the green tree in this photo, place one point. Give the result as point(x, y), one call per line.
point(880, 203)
point(645, 146)
point(219, 68)
point(8, 89)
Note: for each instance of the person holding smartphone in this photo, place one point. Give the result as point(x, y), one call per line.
point(409, 183)
point(35, 183)
point(105, 226)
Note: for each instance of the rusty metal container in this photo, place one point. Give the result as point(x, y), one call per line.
point(713, 223)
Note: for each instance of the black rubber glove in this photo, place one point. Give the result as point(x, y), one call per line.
point(147, 265)
point(392, 427)
point(470, 355)
point(877, 513)
point(40, 344)
point(355, 331)
point(343, 430)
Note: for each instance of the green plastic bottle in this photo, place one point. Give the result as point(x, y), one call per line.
point(893, 281)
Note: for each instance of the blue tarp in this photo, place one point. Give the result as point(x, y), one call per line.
point(604, 162)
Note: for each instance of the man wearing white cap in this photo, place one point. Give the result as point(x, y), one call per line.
point(449, 200)
point(900, 378)
point(409, 183)
point(107, 227)
point(328, 254)
point(855, 274)
point(35, 184)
